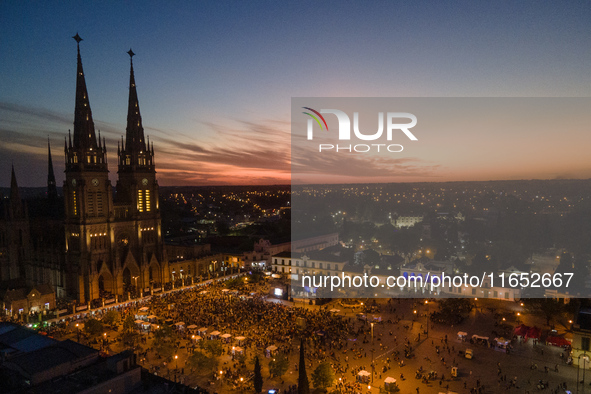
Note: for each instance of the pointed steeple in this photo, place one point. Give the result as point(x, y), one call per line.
point(134, 138)
point(84, 136)
point(16, 204)
point(14, 193)
point(51, 186)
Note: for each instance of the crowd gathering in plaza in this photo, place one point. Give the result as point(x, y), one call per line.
point(364, 350)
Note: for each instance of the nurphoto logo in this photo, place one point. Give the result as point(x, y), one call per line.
point(392, 124)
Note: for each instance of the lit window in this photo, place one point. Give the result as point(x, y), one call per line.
point(140, 200)
point(148, 205)
point(74, 203)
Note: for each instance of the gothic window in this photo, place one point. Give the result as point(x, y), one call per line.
point(74, 204)
point(140, 200)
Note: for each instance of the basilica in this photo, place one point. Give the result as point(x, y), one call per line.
point(101, 240)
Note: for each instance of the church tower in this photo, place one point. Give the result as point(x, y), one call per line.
point(51, 185)
point(88, 197)
point(138, 193)
point(14, 235)
point(113, 242)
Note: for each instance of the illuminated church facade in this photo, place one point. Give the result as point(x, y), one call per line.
point(105, 240)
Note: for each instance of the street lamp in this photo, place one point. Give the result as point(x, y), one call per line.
point(585, 360)
point(176, 365)
point(427, 303)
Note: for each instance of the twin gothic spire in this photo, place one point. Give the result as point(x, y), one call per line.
point(85, 140)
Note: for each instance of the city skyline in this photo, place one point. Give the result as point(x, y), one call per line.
point(215, 81)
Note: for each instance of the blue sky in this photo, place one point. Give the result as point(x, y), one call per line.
point(215, 79)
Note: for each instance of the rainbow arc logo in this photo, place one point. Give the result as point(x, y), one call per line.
point(315, 118)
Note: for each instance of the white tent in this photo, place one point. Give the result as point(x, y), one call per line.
point(240, 338)
point(389, 382)
point(226, 336)
point(237, 350)
point(196, 338)
point(192, 327)
point(363, 376)
point(144, 309)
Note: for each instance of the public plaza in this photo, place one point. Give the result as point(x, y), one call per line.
point(367, 342)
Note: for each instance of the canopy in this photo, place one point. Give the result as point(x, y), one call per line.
point(139, 322)
point(558, 341)
point(192, 327)
point(144, 309)
point(238, 349)
point(521, 330)
point(196, 338)
point(145, 323)
point(179, 323)
point(364, 373)
point(533, 333)
point(226, 336)
point(202, 329)
point(240, 338)
point(225, 290)
point(389, 380)
point(272, 348)
point(462, 334)
point(152, 317)
point(215, 333)
point(203, 292)
point(502, 341)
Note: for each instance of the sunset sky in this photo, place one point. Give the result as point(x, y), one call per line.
point(215, 79)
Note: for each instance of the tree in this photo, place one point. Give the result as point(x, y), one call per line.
point(93, 328)
point(129, 338)
point(303, 384)
point(279, 365)
point(214, 347)
point(550, 308)
point(323, 376)
point(258, 376)
point(164, 341)
point(201, 362)
point(111, 318)
point(128, 323)
point(234, 283)
point(451, 306)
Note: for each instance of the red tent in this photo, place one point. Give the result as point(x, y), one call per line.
point(533, 333)
point(557, 341)
point(521, 330)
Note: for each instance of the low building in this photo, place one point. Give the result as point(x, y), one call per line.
point(407, 221)
point(29, 300)
point(581, 344)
